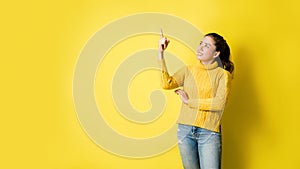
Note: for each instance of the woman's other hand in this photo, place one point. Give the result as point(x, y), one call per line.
point(183, 96)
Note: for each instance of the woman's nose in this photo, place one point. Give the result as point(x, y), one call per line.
point(199, 48)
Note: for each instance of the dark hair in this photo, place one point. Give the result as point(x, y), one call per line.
point(223, 48)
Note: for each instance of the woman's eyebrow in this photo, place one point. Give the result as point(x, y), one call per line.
point(207, 43)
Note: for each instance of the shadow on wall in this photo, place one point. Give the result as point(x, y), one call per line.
point(242, 115)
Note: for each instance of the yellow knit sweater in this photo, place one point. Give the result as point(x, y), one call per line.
point(207, 87)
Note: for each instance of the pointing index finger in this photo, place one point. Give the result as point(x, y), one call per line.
point(161, 33)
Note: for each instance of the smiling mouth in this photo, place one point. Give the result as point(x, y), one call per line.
point(199, 53)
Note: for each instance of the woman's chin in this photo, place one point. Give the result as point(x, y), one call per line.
point(198, 57)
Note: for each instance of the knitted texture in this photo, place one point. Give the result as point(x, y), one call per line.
point(207, 87)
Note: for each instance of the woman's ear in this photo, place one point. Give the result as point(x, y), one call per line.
point(217, 53)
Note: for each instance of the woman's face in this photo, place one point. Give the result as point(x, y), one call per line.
point(206, 51)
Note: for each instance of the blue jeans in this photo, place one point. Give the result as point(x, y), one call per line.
point(199, 148)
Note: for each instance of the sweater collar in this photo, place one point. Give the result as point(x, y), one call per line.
point(210, 66)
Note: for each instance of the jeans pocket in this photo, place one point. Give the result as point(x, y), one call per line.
point(183, 131)
point(208, 137)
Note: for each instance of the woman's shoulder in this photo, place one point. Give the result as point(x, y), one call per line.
point(226, 74)
point(192, 68)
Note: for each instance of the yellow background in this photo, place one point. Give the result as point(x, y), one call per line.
point(40, 44)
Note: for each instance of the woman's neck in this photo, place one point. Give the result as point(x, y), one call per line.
point(207, 62)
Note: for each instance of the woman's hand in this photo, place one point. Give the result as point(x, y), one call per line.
point(162, 43)
point(183, 96)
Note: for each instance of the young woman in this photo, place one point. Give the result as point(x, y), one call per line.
point(204, 89)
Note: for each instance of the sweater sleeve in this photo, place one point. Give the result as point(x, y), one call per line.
point(171, 82)
point(218, 102)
